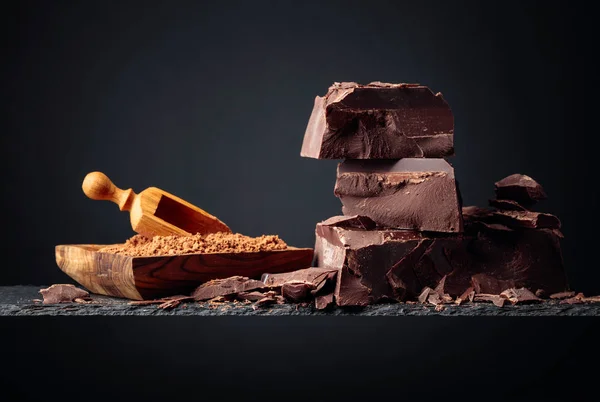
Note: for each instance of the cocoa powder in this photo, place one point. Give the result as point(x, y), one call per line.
point(141, 246)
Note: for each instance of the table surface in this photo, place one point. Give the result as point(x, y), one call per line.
point(19, 301)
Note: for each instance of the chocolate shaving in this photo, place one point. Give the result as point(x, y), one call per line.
point(562, 295)
point(521, 295)
point(577, 299)
point(63, 293)
point(468, 294)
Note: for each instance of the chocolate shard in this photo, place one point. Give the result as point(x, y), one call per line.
point(520, 188)
point(414, 194)
point(324, 301)
point(424, 294)
point(496, 299)
point(592, 299)
point(521, 295)
point(507, 205)
point(296, 291)
point(468, 294)
point(225, 287)
point(577, 299)
point(313, 276)
point(526, 219)
point(379, 121)
point(562, 295)
point(63, 293)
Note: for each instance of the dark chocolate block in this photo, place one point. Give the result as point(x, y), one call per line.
point(520, 188)
point(414, 194)
point(392, 264)
point(379, 121)
point(377, 265)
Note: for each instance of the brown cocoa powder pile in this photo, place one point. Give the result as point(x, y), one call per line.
point(141, 246)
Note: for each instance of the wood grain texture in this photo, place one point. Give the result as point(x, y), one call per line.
point(153, 211)
point(141, 278)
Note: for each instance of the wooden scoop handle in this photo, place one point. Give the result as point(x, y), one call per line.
point(98, 186)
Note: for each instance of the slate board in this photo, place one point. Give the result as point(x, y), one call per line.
point(18, 301)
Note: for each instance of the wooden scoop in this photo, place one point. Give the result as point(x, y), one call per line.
point(153, 211)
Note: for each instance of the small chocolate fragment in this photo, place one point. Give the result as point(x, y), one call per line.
point(224, 287)
point(520, 188)
point(323, 301)
point(592, 299)
point(562, 295)
point(520, 295)
point(468, 294)
point(577, 299)
point(296, 291)
point(496, 299)
point(379, 121)
point(507, 205)
point(311, 275)
point(63, 293)
point(271, 297)
point(424, 294)
point(416, 194)
point(540, 293)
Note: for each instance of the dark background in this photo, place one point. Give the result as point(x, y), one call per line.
point(209, 101)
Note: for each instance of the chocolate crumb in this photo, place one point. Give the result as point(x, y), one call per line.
point(142, 246)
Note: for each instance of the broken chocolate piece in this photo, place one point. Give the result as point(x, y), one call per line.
point(417, 194)
point(224, 287)
point(382, 264)
point(526, 219)
point(271, 297)
point(468, 294)
point(424, 294)
point(520, 188)
point(379, 121)
point(507, 205)
point(63, 293)
point(496, 299)
point(520, 295)
point(296, 291)
point(312, 275)
point(323, 301)
point(562, 295)
point(577, 299)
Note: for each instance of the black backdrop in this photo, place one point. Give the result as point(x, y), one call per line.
point(209, 100)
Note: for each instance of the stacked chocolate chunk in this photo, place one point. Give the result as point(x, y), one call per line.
point(402, 226)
